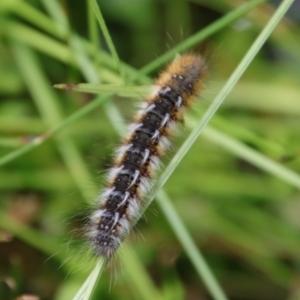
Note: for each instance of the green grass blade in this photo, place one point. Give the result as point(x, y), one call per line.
point(189, 246)
point(115, 89)
point(20, 151)
point(28, 12)
point(137, 276)
point(86, 290)
point(83, 60)
point(39, 41)
point(93, 31)
point(252, 156)
point(58, 15)
point(49, 134)
point(107, 37)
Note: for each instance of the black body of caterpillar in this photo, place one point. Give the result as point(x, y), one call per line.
point(138, 158)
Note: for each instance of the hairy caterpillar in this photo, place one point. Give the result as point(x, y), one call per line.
point(136, 161)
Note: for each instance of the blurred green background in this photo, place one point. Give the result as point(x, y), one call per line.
point(246, 221)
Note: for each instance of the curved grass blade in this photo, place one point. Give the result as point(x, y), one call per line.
point(189, 246)
point(87, 288)
point(107, 37)
point(253, 156)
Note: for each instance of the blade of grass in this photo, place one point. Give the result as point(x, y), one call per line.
point(271, 94)
point(55, 129)
point(55, 48)
point(11, 142)
point(189, 246)
point(38, 41)
point(133, 266)
point(107, 37)
point(245, 134)
point(28, 12)
point(20, 151)
point(120, 90)
point(58, 15)
point(58, 50)
point(82, 59)
point(87, 288)
point(93, 31)
point(253, 156)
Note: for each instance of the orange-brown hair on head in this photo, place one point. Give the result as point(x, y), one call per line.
point(186, 74)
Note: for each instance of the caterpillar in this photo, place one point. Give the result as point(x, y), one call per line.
point(135, 162)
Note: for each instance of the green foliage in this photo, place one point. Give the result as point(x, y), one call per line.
point(233, 192)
